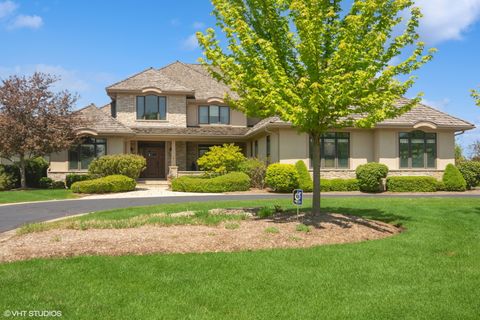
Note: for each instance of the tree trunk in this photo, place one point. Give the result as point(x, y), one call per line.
point(316, 174)
point(23, 177)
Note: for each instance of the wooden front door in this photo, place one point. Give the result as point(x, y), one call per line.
point(155, 162)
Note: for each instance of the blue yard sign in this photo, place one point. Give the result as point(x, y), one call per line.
point(298, 197)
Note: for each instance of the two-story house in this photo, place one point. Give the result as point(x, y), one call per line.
point(173, 115)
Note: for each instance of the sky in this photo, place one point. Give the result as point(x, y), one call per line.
point(92, 44)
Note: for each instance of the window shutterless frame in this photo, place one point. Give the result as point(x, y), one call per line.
point(75, 155)
point(337, 156)
point(221, 110)
point(405, 148)
point(161, 107)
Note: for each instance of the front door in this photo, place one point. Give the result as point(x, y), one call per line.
point(155, 162)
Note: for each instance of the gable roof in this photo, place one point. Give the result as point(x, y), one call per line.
point(100, 122)
point(148, 79)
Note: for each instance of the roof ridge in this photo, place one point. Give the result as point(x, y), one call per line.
point(130, 77)
point(189, 67)
point(86, 107)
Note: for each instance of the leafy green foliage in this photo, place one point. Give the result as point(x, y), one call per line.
point(221, 159)
point(45, 183)
point(458, 154)
point(329, 185)
point(108, 184)
point(256, 170)
point(272, 230)
point(470, 171)
point(453, 179)
point(234, 181)
point(302, 228)
point(58, 185)
point(282, 177)
point(314, 63)
point(305, 181)
point(412, 184)
point(8, 177)
point(370, 176)
point(265, 212)
point(72, 178)
point(130, 165)
point(476, 96)
point(35, 169)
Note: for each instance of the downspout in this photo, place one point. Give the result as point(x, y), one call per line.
point(459, 133)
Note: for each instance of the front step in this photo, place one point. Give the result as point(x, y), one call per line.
point(153, 182)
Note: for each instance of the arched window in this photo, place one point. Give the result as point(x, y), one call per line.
point(418, 149)
point(151, 107)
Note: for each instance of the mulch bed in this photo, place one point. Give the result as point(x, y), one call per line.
point(249, 234)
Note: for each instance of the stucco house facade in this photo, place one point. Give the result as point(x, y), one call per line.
point(172, 115)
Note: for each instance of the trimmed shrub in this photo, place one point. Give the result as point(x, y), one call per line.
point(412, 184)
point(58, 185)
point(329, 185)
point(305, 181)
point(45, 183)
point(35, 169)
point(113, 183)
point(221, 159)
point(8, 177)
point(72, 178)
point(282, 177)
point(453, 179)
point(130, 165)
point(370, 176)
point(470, 171)
point(256, 170)
point(440, 185)
point(234, 181)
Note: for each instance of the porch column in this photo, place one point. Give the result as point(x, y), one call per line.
point(173, 168)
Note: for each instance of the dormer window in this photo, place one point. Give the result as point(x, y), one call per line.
point(151, 107)
point(213, 115)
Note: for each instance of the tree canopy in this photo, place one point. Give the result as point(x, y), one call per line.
point(316, 63)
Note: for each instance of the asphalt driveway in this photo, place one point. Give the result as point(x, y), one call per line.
point(15, 215)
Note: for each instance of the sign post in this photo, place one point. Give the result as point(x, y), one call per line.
point(298, 199)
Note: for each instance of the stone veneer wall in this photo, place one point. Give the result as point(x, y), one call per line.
point(181, 148)
point(176, 112)
point(350, 174)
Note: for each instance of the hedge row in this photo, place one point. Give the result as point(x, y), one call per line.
point(114, 183)
point(329, 185)
point(234, 181)
point(412, 184)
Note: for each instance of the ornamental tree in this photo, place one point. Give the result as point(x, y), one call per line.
point(476, 96)
point(34, 121)
point(315, 63)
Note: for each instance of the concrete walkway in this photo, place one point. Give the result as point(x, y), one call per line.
point(14, 215)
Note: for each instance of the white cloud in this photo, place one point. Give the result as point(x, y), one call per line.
point(24, 21)
point(437, 104)
point(7, 8)
point(446, 19)
point(198, 25)
point(190, 43)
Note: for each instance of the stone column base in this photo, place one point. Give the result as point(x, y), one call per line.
point(172, 172)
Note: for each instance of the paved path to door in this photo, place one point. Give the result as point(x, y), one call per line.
point(14, 215)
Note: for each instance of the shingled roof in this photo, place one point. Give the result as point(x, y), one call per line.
point(100, 122)
point(195, 76)
point(147, 79)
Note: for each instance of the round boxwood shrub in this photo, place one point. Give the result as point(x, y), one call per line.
point(45, 183)
point(470, 171)
point(57, 185)
point(282, 177)
point(221, 159)
point(256, 170)
point(130, 165)
point(370, 176)
point(234, 181)
point(72, 178)
point(412, 184)
point(453, 179)
point(304, 179)
point(113, 183)
point(8, 177)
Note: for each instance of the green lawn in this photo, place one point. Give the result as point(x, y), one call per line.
point(35, 195)
point(431, 271)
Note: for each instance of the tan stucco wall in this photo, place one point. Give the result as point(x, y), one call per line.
point(293, 147)
point(176, 112)
point(445, 149)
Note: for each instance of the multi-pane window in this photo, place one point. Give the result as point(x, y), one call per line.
point(334, 150)
point(417, 149)
point(151, 107)
point(80, 157)
point(213, 115)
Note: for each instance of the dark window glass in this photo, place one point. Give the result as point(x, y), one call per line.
point(256, 148)
point(203, 115)
point(113, 108)
point(224, 115)
point(417, 149)
point(202, 149)
point(268, 146)
point(334, 150)
point(80, 157)
point(151, 108)
point(162, 105)
point(140, 107)
point(214, 114)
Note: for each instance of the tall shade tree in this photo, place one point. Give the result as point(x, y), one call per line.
point(34, 121)
point(315, 64)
